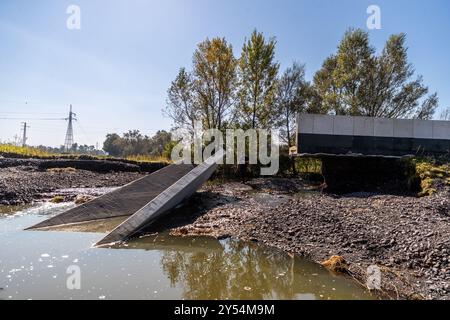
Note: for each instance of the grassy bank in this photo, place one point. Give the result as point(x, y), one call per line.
point(9, 150)
point(12, 151)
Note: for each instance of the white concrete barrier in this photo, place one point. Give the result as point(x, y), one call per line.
point(343, 126)
point(372, 127)
point(371, 136)
point(383, 127)
point(423, 129)
point(441, 130)
point(403, 128)
point(323, 125)
point(363, 126)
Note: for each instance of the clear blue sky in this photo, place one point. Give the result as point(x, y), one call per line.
point(117, 68)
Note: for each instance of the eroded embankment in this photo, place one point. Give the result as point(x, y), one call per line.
point(98, 166)
point(24, 181)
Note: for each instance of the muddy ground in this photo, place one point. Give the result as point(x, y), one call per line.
point(406, 236)
point(25, 184)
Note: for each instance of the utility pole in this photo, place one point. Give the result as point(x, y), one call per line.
point(68, 143)
point(24, 137)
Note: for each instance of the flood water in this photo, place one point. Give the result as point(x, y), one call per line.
point(52, 265)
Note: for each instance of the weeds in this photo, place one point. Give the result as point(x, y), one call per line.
point(431, 174)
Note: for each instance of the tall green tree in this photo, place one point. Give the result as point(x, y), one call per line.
point(113, 145)
point(135, 143)
point(355, 81)
point(159, 142)
point(182, 105)
point(292, 97)
point(258, 78)
point(215, 72)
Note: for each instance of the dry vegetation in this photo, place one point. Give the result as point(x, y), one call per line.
point(9, 150)
point(432, 175)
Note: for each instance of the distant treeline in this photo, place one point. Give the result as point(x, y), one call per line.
point(133, 143)
point(75, 149)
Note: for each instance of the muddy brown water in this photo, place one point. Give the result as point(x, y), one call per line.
point(64, 265)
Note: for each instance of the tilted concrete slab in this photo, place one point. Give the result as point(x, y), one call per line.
point(163, 203)
point(124, 201)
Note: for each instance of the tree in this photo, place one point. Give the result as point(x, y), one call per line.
point(356, 82)
point(135, 143)
point(428, 108)
point(113, 145)
point(445, 115)
point(159, 142)
point(181, 104)
point(258, 73)
point(291, 99)
point(215, 81)
point(328, 92)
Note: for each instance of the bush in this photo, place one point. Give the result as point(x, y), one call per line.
point(431, 174)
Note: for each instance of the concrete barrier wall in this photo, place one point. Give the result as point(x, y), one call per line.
point(363, 126)
point(372, 127)
point(372, 136)
point(441, 129)
point(423, 129)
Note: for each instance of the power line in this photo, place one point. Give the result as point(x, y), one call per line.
point(32, 113)
point(34, 119)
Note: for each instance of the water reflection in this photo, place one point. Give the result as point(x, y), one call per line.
point(230, 269)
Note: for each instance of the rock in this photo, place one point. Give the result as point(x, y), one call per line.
point(223, 237)
point(336, 264)
point(57, 199)
point(81, 199)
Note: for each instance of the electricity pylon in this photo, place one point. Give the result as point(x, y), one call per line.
point(69, 135)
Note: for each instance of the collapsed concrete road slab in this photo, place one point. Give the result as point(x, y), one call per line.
point(122, 202)
point(164, 202)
